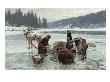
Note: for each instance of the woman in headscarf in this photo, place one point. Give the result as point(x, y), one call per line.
point(42, 46)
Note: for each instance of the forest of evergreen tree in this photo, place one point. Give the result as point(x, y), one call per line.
point(29, 19)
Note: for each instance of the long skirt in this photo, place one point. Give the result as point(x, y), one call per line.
point(42, 49)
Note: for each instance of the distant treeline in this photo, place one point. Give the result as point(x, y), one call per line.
point(92, 20)
point(18, 18)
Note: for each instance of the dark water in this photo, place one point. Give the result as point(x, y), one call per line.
point(79, 32)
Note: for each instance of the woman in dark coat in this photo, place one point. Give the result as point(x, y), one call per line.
point(69, 37)
point(69, 40)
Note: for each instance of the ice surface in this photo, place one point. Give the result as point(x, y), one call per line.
point(19, 57)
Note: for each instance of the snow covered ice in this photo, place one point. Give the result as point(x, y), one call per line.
point(17, 55)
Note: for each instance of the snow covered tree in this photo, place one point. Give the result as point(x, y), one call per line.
point(18, 18)
point(39, 23)
point(44, 22)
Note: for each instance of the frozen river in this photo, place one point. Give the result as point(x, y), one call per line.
point(17, 55)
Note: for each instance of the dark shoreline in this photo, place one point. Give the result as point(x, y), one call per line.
point(78, 32)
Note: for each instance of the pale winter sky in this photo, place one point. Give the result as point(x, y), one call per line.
point(53, 14)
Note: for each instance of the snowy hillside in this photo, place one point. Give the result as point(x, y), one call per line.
point(92, 20)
